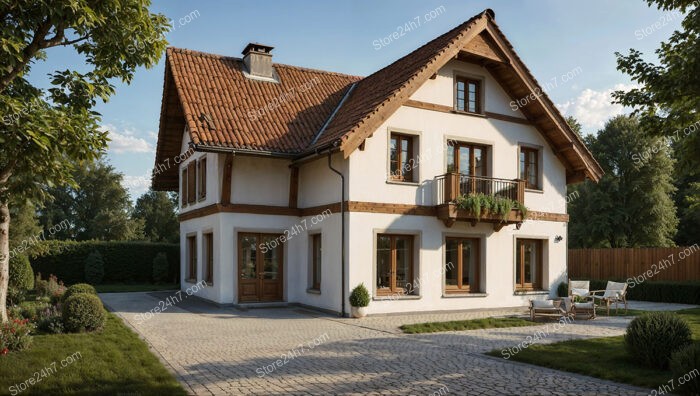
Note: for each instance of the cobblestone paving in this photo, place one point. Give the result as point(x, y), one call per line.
point(226, 351)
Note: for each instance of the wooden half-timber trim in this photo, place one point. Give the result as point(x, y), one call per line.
point(226, 185)
point(350, 206)
point(447, 109)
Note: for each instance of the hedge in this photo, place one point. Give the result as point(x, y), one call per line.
point(658, 291)
point(124, 262)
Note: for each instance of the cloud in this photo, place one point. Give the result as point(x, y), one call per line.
point(136, 185)
point(126, 141)
point(593, 108)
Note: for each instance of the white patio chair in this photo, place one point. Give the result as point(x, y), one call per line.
point(615, 292)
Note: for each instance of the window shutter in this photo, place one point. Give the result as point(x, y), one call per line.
point(202, 178)
point(192, 182)
point(183, 188)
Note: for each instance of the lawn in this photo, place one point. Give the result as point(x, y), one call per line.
point(137, 287)
point(472, 324)
point(112, 361)
point(604, 358)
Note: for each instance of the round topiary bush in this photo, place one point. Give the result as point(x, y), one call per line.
point(563, 289)
point(684, 365)
point(94, 268)
point(359, 297)
point(83, 312)
point(160, 268)
point(21, 273)
point(653, 337)
point(79, 288)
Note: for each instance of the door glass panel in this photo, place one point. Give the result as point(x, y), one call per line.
point(480, 162)
point(249, 244)
point(531, 256)
point(271, 258)
point(451, 258)
point(403, 263)
point(523, 176)
point(450, 158)
point(464, 160)
point(383, 262)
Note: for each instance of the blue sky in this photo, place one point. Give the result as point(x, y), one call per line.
point(554, 38)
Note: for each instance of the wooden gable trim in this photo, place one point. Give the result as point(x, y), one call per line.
point(483, 47)
point(447, 109)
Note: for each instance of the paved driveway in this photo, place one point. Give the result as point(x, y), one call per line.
point(295, 351)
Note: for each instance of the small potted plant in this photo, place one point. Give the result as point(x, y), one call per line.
point(359, 300)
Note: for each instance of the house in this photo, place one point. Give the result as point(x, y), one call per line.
point(296, 185)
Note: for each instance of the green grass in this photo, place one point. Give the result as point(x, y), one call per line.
point(472, 324)
point(138, 287)
point(112, 361)
point(604, 358)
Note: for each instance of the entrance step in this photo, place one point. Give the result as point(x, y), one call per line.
point(256, 305)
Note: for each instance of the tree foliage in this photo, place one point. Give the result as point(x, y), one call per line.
point(45, 134)
point(157, 210)
point(668, 104)
point(631, 206)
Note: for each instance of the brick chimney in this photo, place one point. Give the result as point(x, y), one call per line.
point(258, 60)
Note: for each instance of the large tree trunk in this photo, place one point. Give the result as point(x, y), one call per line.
point(4, 258)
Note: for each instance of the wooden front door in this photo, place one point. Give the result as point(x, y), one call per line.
point(260, 264)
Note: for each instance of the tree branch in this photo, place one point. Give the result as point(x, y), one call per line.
point(28, 53)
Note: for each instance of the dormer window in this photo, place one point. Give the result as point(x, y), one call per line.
point(468, 95)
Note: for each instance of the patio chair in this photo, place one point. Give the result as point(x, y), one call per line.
point(549, 309)
point(580, 289)
point(615, 292)
point(581, 299)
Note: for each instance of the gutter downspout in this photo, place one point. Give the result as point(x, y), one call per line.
point(342, 233)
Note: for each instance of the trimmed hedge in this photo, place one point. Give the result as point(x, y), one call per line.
point(77, 289)
point(21, 274)
point(83, 312)
point(124, 262)
point(658, 291)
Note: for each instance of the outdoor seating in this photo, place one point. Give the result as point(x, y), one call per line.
point(549, 309)
point(615, 292)
point(581, 298)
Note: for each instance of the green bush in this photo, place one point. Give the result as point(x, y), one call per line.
point(21, 274)
point(124, 262)
point(160, 268)
point(15, 295)
point(684, 364)
point(83, 312)
point(94, 268)
point(686, 292)
point(79, 288)
point(50, 320)
point(359, 297)
point(14, 335)
point(653, 337)
point(563, 289)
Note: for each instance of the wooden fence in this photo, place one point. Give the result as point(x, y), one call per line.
point(653, 264)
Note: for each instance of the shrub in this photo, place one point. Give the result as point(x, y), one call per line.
point(50, 320)
point(15, 335)
point(160, 268)
point(359, 297)
point(124, 262)
point(21, 274)
point(94, 268)
point(685, 292)
point(83, 312)
point(15, 295)
point(31, 309)
point(563, 289)
point(684, 364)
point(653, 337)
point(51, 287)
point(79, 288)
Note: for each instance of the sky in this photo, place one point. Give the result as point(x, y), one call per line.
point(568, 46)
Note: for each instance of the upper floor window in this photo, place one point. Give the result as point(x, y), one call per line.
point(202, 190)
point(466, 158)
point(468, 95)
point(402, 162)
point(183, 188)
point(530, 167)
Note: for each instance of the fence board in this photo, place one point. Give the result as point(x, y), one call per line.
point(669, 264)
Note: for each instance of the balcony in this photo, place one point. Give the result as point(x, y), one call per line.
point(450, 186)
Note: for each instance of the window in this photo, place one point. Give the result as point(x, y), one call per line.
point(192, 258)
point(468, 95)
point(528, 264)
point(529, 167)
point(192, 182)
point(316, 251)
point(183, 186)
point(465, 158)
point(209, 258)
point(395, 264)
point(401, 159)
point(202, 164)
point(461, 265)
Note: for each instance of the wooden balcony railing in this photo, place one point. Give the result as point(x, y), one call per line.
point(451, 185)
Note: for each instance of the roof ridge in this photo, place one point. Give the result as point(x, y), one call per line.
point(235, 58)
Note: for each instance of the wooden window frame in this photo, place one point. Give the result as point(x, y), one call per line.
point(460, 288)
point(191, 247)
point(192, 182)
point(455, 146)
point(478, 103)
point(519, 251)
point(183, 198)
point(525, 168)
point(393, 287)
point(403, 176)
point(202, 186)
point(208, 250)
point(316, 262)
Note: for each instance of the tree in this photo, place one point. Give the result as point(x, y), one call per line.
point(44, 133)
point(25, 225)
point(631, 206)
point(668, 104)
point(98, 207)
point(158, 211)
